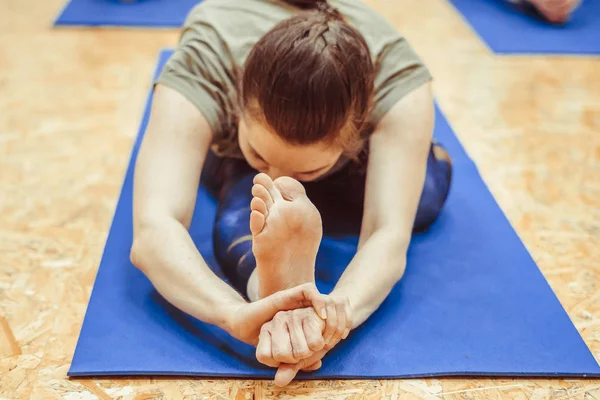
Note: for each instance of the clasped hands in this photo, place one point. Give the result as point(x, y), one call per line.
point(293, 329)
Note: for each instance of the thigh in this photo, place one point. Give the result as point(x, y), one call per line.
point(340, 198)
point(219, 172)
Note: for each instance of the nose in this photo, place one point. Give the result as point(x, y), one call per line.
point(275, 173)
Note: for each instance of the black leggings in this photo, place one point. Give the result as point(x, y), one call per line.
point(338, 197)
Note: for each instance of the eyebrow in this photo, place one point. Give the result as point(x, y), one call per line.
point(302, 172)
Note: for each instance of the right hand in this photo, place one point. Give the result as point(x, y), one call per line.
point(296, 335)
point(245, 321)
point(290, 337)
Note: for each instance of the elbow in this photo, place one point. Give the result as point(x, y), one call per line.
point(142, 247)
point(134, 254)
point(395, 240)
point(398, 245)
point(138, 248)
point(399, 241)
point(392, 242)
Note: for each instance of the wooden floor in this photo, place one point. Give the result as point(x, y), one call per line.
point(70, 104)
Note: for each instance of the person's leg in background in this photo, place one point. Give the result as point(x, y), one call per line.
point(552, 11)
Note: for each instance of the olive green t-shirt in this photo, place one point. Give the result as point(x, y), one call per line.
point(219, 34)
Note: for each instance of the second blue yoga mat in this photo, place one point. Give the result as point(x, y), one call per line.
point(472, 302)
point(123, 13)
point(507, 30)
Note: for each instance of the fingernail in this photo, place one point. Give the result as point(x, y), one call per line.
point(346, 333)
point(323, 313)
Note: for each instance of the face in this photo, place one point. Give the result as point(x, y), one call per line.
point(267, 153)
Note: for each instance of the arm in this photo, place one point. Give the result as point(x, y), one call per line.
point(395, 178)
point(165, 185)
point(166, 180)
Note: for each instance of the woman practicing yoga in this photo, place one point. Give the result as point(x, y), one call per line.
point(302, 117)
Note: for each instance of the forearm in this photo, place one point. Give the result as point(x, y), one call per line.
point(398, 153)
point(165, 252)
point(377, 266)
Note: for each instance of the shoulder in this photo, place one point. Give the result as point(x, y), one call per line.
point(238, 24)
point(378, 31)
point(232, 27)
point(245, 10)
point(399, 69)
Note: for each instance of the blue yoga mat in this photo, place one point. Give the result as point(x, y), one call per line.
point(508, 30)
point(135, 13)
point(472, 302)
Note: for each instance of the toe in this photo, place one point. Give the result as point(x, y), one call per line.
point(266, 181)
point(259, 205)
point(289, 188)
point(257, 222)
point(261, 192)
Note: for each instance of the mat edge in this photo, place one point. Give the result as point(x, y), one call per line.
point(147, 104)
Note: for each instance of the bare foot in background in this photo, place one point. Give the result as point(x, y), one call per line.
point(555, 11)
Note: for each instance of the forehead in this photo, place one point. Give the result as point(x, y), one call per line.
point(285, 155)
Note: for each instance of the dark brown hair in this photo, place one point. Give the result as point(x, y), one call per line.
point(310, 79)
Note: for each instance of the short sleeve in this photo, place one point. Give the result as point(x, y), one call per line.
point(399, 72)
point(203, 70)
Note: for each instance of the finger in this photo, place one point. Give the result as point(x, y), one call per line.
point(331, 322)
point(287, 372)
point(310, 296)
point(263, 350)
point(348, 311)
point(317, 300)
point(313, 367)
point(340, 327)
point(281, 345)
point(299, 345)
point(313, 335)
point(291, 299)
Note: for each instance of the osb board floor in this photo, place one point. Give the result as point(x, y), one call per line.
point(71, 101)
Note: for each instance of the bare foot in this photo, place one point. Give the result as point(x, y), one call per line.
point(286, 233)
point(556, 11)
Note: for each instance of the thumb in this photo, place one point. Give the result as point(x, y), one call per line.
point(289, 299)
point(301, 296)
point(287, 372)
